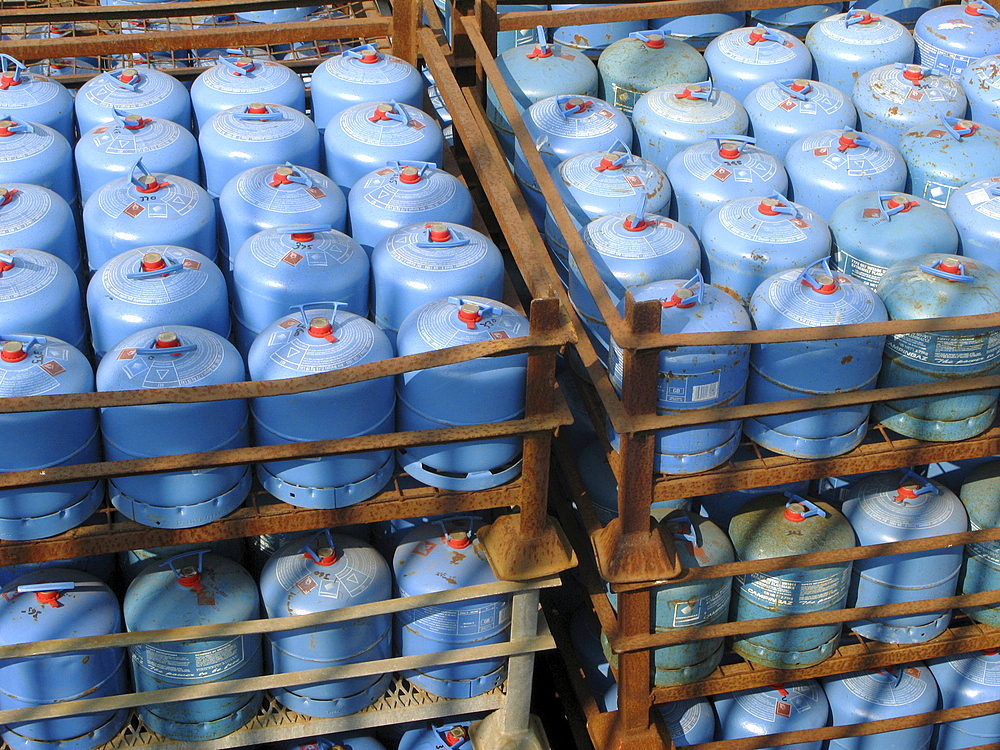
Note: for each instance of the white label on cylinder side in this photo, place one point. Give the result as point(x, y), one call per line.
point(663, 102)
point(874, 690)
point(468, 621)
point(702, 609)
point(946, 350)
point(859, 269)
point(690, 388)
point(770, 590)
point(987, 552)
point(737, 47)
point(984, 203)
point(190, 666)
point(949, 63)
point(977, 670)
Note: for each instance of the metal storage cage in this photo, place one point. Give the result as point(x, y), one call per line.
point(628, 552)
point(526, 547)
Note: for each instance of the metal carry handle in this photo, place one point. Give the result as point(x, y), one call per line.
point(455, 239)
point(154, 351)
point(301, 309)
point(951, 126)
point(889, 211)
point(459, 301)
point(693, 533)
point(171, 267)
point(297, 177)
point(308, 551)
point(132, 85)
point(238, 70)
point(904, 493)
point(740, 140)
point(7, 65)
point(808, 280)
point(270, 114)
point(684, 301)
point(17, 127)
point(785, 84)
point(303, 229)
point(575, 109)
point(935, 270)
point(398, 113)
point(858, 15)
point(811, 508)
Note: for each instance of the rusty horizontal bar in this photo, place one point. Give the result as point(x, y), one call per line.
point(189, 8)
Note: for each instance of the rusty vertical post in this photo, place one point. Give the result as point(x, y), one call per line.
point(634, 728)
point(489, 25)
point(405, 19)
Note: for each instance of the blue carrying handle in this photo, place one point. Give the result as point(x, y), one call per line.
point(155, 351)
point(28, 341)
point(459, 301)
point(307, 548)
point(301, 309)
point(455, 239)
point(169, 562)
point(298, 176)
point(951, 126)
point(924, 70)
point(239, 70)
point(858, 15)
point(172, 266)
point(811, 508)
point(784, 206)
point(739, 140)
point(982, 9)
point(575, 109)
point(396, 113)
point(684, 301)
point(705, 90)
point(785, 84)
point(19, 127)
point(808, 280)
point(455, 743)
point(935, 270)
point(643, 36)
point(356, 53)
point(132, 85)
point(138, 171)
point(271, 114)
point(890, 211)
point(763, 33)
point(40, 588)
point(8, 64)
point(925, 487)
point(303, 229)
point(692, 534)
point(860, 139)
point(993, 191)
point(421, 166)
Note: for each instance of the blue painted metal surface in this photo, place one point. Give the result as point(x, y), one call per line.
point(143, 91)
point(750, 239)
point(33, 97)
point(174, 356)
point(981, 567)
point(694, 377)
point(36, 217)
point(809, 298)
point(301, 343)
point(100, 566)
point(279, 15)
point(547, 70)
point(872, 231)
point(453, 395)
point(721, 169)
point(403, 193)
point(319, 573)
point(934, 286)
point(905, 11)
point(643, 61)
point(975, 210)
point(110, 151)
point(968, 680)
point(894, 507)
point(722, 506)
point(155, 285)
point(774, 526)
point(783, 111)
point(254, 135)
point(444, 556)
point(277, 269)
point(39, 440)
point(40, 294)
point(521, 37)
point(742, 59)
point(37, 154)
point(846, 45)
point(596, 183)
point(699, 28)
point(795, 19)
point(981, 84)
point(828, 167)
point(134, 561)
point(564, 126)
point(769, 710)
point(629, 249)
point(892, 99)
point(443, 736)
point(371, 134)
point(145, 208)
point(592, 38)
point(421, 263)
point(49, 605)
point(329, 742)
point(950, 37)
point(235, 80)
point(190, 589)
point(883, 693)
point(670, 118)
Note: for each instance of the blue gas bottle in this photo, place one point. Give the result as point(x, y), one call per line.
point(40, 294)
point(322, 572)
point(421, 263)
point(694, 377)
point(905, 11)
point(808, 298)
point(254, 135)
point(592, 38)
point(33, 97)
point(277, 269)
point(109, 151)
point(444, 736)
point(871, 231)
point(699, 28)
point(452, 395)
point(190, 589)
point(564, 126)
point(147, 92)
point(891, 99)
point(882, 693)
point(697, 543)
point(643, 61)
point(795, 19)
point(895, 507)
point(330, 742)
point(36, 217)
point(145, 208)
point(968, 680)
point(748, 240)
point(828, 167)
point(936, 286)
point(174, 356)
point(533, 75)
point(846, 45)
point(981, 567)
point(37, 366)
point(629, 249)
point(35, 153)
point(50, 605)
point(519, 37)
point(275, 195)
point(723, 168)
point(783, 111)
point(774, 526)
point(742, 59)
point(323, 339)
point(373, 133)
point(236, 79)
point(785, 707)
point(155, 285)
point(975, 210)
point(981, 84)
point(950, 37)
point(134, 561)
point(596, 183)
point(444, 556)
point(404, 193)
point(670, 118)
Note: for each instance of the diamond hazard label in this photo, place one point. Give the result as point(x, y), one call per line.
point(821, 152)
point(871, 213)
point(915, 94)
point(416, 125)
point(287, 323)
point(384, 171)
point(292, 258)
point(788, 105)
point(315, 192)
point(424, 549)
point(194, 265)
point(634, 180)
point(722, 174)
point(97, 131)
point(499, 335)
point(133, 209)
point(608, 114)
point(935, 133)
point(53, 368)
point(800, 223)
point(126, 354)
point(206, 598)
point(782, 709)
point(306, 585)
